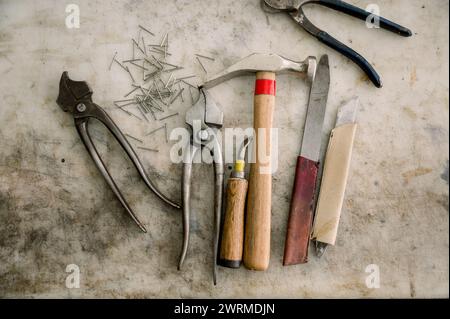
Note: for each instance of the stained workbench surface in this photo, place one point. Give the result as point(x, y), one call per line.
point(56, 209)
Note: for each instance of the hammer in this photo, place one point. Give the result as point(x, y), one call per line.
point(259, 201)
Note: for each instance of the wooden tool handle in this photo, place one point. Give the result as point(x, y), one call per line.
point(232, 244)
point(257, 225)
point(301, 213)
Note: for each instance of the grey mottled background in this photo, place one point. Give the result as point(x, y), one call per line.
point(55, 208)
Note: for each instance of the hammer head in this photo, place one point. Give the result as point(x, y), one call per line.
point(257, 62)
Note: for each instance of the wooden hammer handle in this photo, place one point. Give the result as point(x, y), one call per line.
point(257, 225)
point(232, 244)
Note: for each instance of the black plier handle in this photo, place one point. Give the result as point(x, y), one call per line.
point(76, 97)
point(295, 9)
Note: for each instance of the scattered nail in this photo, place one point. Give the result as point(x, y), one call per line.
point(121, 65)
point(167, 134)
point(146, 30)
point(206, 57)
point(147, 149)
point(168, 116)
point(137, 45)
point(201, 64)
point(131, 75)
point(186, 77)
point(190, 93)
point(135, 88)
point(163, 40)
point(191, 85)
point(134, 138)
point(139, 66)
point(176, 96)
point(114, 57)
point(155, 130)
point(131, 60)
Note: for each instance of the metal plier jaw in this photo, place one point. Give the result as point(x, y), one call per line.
point(203, 119)
point(76, 97)
point(295, 9)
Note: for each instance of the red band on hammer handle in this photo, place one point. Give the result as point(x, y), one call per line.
point(265, 86)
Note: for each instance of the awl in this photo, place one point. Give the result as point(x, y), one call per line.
point(302, 202)
point(232, 243)
point(334, 179)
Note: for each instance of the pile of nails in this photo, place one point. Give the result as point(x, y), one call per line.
point(155, 85)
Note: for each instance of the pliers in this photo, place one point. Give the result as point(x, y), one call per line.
point(295, 9)
point(204, 119)
point(76, 97)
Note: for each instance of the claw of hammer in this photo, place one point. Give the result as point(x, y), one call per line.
point(257, 62)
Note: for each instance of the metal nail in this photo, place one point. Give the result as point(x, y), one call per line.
point(201, 64)
point(129, 113)
point(190, 93)
point(136, 116)
point(157, 61)
point(131, 60)
point(123, 105)
point(187, 77)
point(121, 65)
point(141, 109)
point(114, 57)
point(163, 39)
point(155, 130)
point(159, 93)
point(171, 85)
point(153, 114)
point(143, 45)
point(134, 138)
point(137, 45)
point(168, 116)
point(147, 149)
point(165, 129)
point(135, 88)
point(179, 87)
point(120, 101)
point(168, 81)
point(131, 75)
point(176, 96)
point(159, 51)
point(191, 85)
point(139, 66)
point(206, 57)
point(146, 30)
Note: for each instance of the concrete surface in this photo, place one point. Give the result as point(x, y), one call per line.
point(56, 210)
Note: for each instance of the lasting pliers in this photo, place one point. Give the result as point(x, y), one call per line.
point(295, 9)
point(76, 97)
point(204, 119)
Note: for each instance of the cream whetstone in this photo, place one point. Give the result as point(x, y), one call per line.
point(334, 180)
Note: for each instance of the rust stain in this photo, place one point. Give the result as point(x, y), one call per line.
point(415, 173)
point(410, 113)
point(413, 77)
